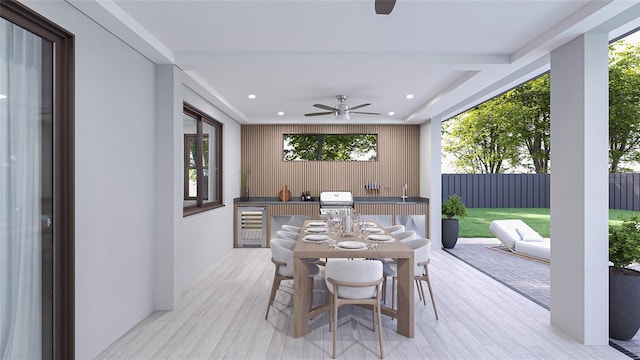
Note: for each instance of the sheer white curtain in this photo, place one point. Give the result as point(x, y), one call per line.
point(20, 193)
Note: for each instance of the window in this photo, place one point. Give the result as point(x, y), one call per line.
point(330, 147)
point(202, 161)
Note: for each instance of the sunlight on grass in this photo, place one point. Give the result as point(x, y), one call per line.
point(476, 223)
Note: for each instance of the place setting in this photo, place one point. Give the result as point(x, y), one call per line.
point(316, 238)
point(380, 237)
point(316, 230)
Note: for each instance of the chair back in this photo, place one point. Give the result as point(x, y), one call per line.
point(421, 252)
point(291, 228)
point(394, 228)
point(287, 235)
point(353, 271)
point(282, 250)
point(404, 235)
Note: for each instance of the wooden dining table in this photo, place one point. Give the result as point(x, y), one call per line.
point(302, 287)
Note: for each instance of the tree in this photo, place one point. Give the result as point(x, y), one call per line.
point(343, 147)
point(624, 104)
point(483, 139)
point(531, 119)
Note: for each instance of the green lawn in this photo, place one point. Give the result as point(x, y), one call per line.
point(476, 223)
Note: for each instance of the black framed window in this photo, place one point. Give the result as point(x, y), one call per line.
point(202, 169)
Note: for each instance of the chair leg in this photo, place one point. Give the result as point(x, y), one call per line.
point(431, 294)
point(384, 290)
point(377, 307)
point(393, 293)
point(274, 287)
point(419, 288)
point(335, 324)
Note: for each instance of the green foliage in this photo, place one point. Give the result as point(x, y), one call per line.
point(624, 103)
point(531, 120)
point(624, 242)
point(453, 206)
point(483, 139)
point(340, 147)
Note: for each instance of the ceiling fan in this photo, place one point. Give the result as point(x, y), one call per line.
point(342, 110)
point(384, 7)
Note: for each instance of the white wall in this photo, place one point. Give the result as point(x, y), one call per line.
point(205, 237)
point(431, 176)
point(115, 187)
point(114, 120)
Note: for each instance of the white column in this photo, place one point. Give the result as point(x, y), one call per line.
point(168, 186)
point(579, 183)
point(431, 177)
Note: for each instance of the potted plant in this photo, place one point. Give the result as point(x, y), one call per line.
point(244, 182)
point(624, 283)
point(451, 207)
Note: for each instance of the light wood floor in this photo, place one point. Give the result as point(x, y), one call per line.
point(222, 317)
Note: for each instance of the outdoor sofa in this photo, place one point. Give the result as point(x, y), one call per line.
point(519, 238)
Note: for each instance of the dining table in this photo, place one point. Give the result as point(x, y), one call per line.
point(380, 245)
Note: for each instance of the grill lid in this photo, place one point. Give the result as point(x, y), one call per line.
point(336, 198)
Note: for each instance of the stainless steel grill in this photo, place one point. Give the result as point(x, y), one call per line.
point(336, 203)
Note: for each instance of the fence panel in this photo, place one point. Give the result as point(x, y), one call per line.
point(530, 190)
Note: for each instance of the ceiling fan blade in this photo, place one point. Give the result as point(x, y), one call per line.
point(384, 7)
point(325, 107)
point(320, 113)
point(358, 106)
point(361, 112)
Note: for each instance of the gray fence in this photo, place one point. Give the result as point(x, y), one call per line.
point(530, 190)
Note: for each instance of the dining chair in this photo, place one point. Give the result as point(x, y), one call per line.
point(394, 229)
point(291, 228)
point(421, 259)
point(282, 258)
point(287, 235)
point(354, 282)
point(404, 235)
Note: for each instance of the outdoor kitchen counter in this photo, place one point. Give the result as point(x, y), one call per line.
point(296, 200)
point(390, 210)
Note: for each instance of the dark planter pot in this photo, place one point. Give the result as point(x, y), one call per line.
point(624, 303)
point(449, 233)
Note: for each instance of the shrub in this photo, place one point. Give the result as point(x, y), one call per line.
point(624, 242)
point(453, 206)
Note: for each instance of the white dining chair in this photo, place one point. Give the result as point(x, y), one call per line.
point(354, 282)
point(287, 235)
point(282, 257)
point(404, 235)
point(291, 228)
point(421, 259)
point(394, 229)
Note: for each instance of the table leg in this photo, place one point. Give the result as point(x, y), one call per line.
point(405, 297)
point(301, 299)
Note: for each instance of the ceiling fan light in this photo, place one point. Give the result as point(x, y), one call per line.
point(343, 117)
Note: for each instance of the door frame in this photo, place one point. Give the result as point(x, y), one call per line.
point(63, 172)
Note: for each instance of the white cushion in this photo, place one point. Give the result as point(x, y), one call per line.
point(539, 249)
point(513, 230)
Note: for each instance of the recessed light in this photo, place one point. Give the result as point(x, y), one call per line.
point(391, 113)
point(280, 113)
point(409, 96)
point(3, 96)
point(252, 96)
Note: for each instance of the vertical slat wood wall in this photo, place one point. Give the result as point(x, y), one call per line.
point(398, 161)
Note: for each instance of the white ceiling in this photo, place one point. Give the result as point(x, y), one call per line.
point(292, 54)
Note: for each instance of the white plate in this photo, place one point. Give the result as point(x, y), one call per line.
point(379, 237)
point(352, 245)
point(317, 230)
point(315, 238)
point(317, 223)
point(375, 230)
point(369, 224)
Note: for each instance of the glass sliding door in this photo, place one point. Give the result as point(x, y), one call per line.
point(26, 193)
point(37, 246)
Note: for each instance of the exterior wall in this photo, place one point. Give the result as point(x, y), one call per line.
point(116, 155)
point(114, 178)
point(398, 161)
